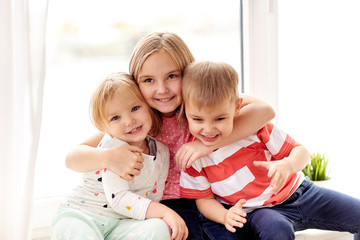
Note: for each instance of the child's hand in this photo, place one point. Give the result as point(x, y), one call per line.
point(124, 161)
point(235, 216)
point(279, 171)
point(189, 152)
point(177, 225)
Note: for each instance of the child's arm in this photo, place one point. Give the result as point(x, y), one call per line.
point(87, 157)
point(130, 204)
point(175, 222)
point(280, 170)
point(254, 114)
point(215, 211)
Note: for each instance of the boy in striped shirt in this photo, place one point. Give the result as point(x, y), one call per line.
point(255, 180)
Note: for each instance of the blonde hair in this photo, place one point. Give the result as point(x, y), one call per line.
point(206, 84)
point(111, 85)
point(153, 42)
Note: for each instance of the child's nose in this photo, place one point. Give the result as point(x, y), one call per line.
point(129, 120)
point(162, 88)
point(208, 127)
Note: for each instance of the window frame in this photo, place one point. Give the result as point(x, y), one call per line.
point(260, 50)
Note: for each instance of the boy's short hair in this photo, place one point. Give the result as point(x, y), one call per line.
point(111, 85)
point(207, 83)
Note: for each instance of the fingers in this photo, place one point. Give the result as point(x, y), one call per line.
point(240, 203)
point(230, 228)
point(235, 217)
point(277, 183)
point(261, 164)
point(134, 167)
point(235, 221)
point(180, 233)
point(186, 233)
point(182, 159)
point(178, 157)
point(191, 160)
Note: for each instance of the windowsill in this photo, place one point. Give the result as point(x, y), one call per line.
point(44, 210)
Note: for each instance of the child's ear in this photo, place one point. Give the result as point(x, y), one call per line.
point(238, 106)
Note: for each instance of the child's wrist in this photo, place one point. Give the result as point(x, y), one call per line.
point(103, 156)
point(225, 216)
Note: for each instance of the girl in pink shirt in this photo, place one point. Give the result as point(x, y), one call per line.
point(157, 65)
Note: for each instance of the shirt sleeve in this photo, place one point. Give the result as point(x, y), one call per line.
point(121, 199)
point(117, 190)
point(194, 185)
point(277, 141)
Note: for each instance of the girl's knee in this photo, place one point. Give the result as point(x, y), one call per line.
point(69, 228)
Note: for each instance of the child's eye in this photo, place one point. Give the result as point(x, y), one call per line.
point(115, 118)
point(171, 76)
point(148, 80)
point(220, 119)
point(197, 119)
point(135, 108)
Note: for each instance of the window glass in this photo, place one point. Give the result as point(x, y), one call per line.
point(319, 79)
point(87, 40)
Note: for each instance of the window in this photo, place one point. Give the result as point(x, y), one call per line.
point(314, 83)
point(319, 79)
point(88, 40)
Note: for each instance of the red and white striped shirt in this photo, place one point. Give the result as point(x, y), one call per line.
point(229, 172)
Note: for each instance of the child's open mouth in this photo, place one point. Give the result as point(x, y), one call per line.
point(164, 99)
point(135, 130)
point(210, 138)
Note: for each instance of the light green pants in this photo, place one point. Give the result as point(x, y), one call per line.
point(73, 224)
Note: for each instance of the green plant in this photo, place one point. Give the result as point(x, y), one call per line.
point(317, 170)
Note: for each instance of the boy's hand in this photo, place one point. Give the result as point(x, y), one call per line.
point(235, 216)
point(124, 161)
point(279, 171)
point(189, 152)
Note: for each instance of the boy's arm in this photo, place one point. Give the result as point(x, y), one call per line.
point(253, 115)
point(215, 211)
point(280, 170)
point(87, 157)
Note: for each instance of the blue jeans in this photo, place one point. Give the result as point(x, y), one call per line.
point(310, 206)
point(187, 209)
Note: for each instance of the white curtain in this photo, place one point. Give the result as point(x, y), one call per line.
point(22, 70)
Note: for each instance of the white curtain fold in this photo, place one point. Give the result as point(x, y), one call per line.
point(22, 72)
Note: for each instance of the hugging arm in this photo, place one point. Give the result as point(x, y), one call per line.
point(87, 157)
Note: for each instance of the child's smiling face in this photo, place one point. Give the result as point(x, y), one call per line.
point(211, 124)
point(128, 118)
point(160, 83)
